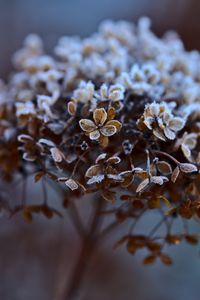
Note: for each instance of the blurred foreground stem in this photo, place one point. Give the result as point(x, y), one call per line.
point(88, 245)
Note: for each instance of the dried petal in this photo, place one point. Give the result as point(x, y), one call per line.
point(108, 130)
point(87, 125)
point(142, 185)
point(111, 113)
point(57, 155)
point(115, 123)
point(100, 116)
point(93, 171)
point(94, 135)
point(103, 141)
point(159, 179)
point(164, 167)
point(187, 168)
point(96, 179)
point(175, 174)
point(71, 107)
point(176, 123)
point(169, 133)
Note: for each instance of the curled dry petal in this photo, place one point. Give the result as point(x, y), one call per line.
point(93, 171)
point(101, 158)
point(23, 138)
point(46, 142)
point(113, 160)
point(87, 125)
point(100, 116)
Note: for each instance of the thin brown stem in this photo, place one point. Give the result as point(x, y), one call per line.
point(88, 245)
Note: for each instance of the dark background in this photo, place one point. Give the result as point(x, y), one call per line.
point(36, 259)
point(52, 19)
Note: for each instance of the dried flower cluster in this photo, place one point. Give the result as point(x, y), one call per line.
point(115, 115)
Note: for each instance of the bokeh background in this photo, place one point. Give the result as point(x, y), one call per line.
point(35, 259)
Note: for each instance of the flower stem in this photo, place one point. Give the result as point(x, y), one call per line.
point(88, 245)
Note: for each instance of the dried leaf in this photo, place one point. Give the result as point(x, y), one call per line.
point(149, 259)
point(174, 239)
point(192, 239)
point(165, 259)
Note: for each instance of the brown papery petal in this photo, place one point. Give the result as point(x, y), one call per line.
point(103, 141)
point(142, 185)
point(87, 125)
point(100, 116)
point(93, 171)
point(111, 113)
point(108, 130)
point(115, 123)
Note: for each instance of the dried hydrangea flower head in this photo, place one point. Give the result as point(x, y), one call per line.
point(115, 115)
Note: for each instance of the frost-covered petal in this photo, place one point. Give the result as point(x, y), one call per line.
point(96, 179)
point(176, 123)
point(169, 133)
point(186, 150)
point(159, 179)
point(101, 158)
point(108, 130)
point(113, 160)
point(87, 125)
point(115, 123)
point(159, 134)
point(142, 185)
point(94, 135)
point(100, 116)
point(93, 171)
